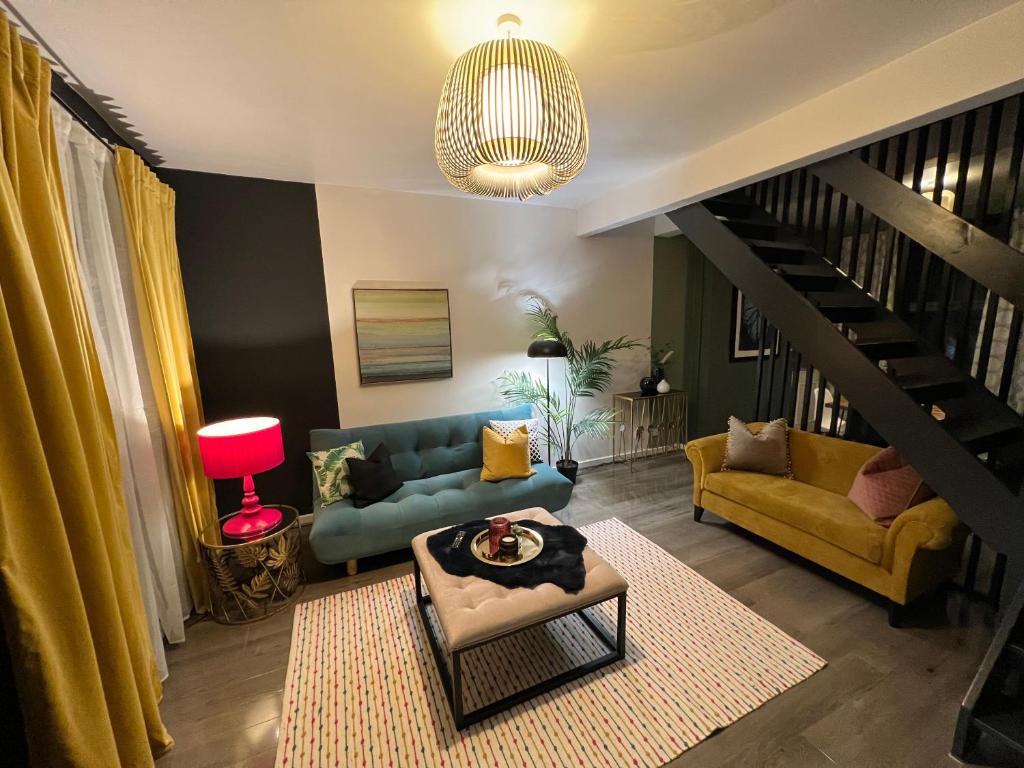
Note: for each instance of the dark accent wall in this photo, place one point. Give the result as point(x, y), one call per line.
point(692, 311)
point(254, 284)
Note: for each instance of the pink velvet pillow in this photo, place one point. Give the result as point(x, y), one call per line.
point(886, 486)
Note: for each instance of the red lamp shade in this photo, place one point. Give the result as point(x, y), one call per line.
point(240, 447)
point(243, 448)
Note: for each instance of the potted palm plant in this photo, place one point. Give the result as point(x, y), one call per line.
point(588, 371)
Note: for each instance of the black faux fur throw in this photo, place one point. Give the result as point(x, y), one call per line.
point(559, 562)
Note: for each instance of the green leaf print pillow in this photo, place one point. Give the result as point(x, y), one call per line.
point(331, 471)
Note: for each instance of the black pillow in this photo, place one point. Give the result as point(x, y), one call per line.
point(372, 478)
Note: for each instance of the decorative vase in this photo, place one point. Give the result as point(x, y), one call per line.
point(648, 386)
point(568, 469)
point(658, 374)
point(664, 387)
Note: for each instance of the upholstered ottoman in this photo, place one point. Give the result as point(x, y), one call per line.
point(473, 611)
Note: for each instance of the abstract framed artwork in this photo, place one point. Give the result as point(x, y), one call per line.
point(402, 334)
point(746, 329)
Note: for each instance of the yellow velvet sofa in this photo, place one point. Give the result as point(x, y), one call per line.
point(811, 516)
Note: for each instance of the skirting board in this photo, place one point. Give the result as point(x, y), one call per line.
point(664, 451)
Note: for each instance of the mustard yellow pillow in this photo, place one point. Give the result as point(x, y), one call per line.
point(506, 457)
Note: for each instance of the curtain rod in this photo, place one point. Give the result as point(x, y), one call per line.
point(81, 120)
point(35, 38)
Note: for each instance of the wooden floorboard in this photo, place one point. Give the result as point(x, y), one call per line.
point(888, 697)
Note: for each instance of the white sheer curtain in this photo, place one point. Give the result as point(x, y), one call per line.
point(87, 166)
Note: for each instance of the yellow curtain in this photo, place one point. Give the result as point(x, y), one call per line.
point(148, 208)
point(69, 592)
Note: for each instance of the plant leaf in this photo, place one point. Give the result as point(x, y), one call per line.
point(595, 423)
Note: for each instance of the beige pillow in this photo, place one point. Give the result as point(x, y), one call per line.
point(766, 452)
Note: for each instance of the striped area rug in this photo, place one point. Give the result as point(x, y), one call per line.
point(362, 689)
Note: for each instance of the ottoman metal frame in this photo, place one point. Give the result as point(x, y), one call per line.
point(453, 683)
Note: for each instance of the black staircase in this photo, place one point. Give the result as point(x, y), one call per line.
point(869, 355)
point(994, 705)
point(879, 306)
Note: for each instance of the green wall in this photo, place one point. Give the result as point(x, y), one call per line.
point(668, 311)
point(691, 312)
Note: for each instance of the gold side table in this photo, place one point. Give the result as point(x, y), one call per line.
point(648, 425)
point(250, 580)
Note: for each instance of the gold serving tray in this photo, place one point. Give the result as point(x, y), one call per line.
point(530, 545)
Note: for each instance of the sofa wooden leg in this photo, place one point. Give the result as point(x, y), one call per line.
point(351, 567)
point(895, 614)
point(698, 513)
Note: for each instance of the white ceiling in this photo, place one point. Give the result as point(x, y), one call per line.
point(345, 92)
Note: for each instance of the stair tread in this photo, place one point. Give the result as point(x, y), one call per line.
point(726, 219)
point(735, 208)
point(924, 371)
point(841, 299)
point(885, 330)
point(755, 228)
point(808, 277)
point(778, 245)
point(1005, 722)
point(808, 270)
point(766, 223)
point(977, 419)
point(845, 305)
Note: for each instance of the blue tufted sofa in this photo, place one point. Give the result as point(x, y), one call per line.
point(439, 461)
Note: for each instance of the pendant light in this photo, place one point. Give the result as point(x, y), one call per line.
point(511, 121)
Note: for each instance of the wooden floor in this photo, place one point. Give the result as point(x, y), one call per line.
point(888, 697)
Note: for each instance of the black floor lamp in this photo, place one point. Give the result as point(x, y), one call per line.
point(547, 349)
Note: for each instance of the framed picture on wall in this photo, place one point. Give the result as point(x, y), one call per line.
point(746, 329)
point(402, 334)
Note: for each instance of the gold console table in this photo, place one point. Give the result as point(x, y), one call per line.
point(648, 425)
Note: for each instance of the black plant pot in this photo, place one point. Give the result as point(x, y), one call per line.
point(568, 469)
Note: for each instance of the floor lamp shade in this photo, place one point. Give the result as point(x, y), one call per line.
point(243, 448)
point(547, 348)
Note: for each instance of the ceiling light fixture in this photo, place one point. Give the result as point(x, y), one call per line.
point(511, 121)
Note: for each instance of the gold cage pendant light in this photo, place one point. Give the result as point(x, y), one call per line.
point(511, 121)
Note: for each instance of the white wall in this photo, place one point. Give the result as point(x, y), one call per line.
point(488, 254)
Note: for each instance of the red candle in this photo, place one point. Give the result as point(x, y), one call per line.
point(498, 527)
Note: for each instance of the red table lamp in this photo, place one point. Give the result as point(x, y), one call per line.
point(243, 448)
